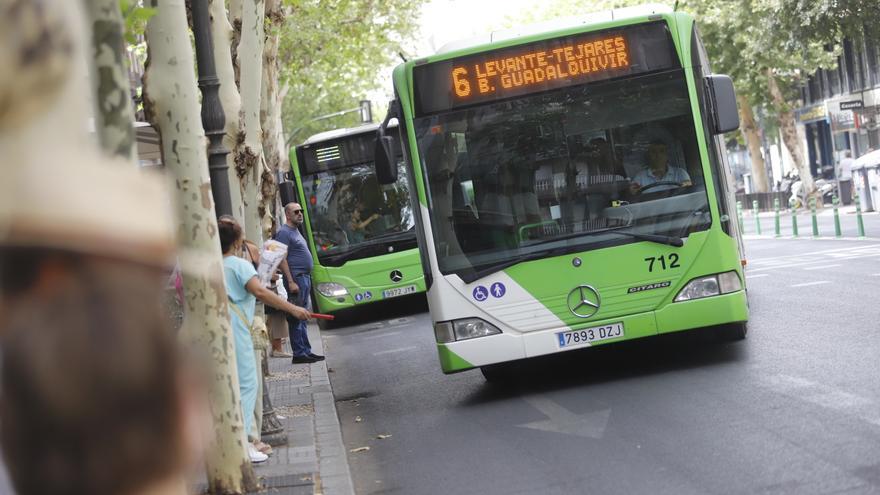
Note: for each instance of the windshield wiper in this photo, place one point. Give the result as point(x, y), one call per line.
point(470, 276)
point(390, 235)
point(660, 239)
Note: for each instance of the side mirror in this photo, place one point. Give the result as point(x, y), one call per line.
point(287, 191)
point(386, 168)
point(386, 165)
point(725, 116)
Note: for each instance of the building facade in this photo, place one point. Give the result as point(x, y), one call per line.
point(842, 107)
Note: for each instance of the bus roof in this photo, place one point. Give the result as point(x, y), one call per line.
point(340, 133)
point(556, 25)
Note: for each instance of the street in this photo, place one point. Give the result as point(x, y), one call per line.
point(795, 408)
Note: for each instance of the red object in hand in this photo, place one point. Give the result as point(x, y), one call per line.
point(322, 316)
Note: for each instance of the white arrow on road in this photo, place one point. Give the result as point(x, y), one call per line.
point(561, 420)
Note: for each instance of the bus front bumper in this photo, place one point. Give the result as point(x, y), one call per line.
point(673, 317)
point(358, 296)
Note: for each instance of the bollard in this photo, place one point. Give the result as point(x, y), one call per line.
point(757, 216)
point(813, 217)
point(778, 230)
point(861, 224)
point(834, 202)
point(794, 227)
point(739, 214)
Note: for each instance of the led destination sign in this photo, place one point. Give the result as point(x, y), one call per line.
point(543, 65)
point(536, 67)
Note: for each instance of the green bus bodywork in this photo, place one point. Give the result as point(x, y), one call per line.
point(366, 274)
point(637, 280)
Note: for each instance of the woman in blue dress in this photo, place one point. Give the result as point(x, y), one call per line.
point(243, 289)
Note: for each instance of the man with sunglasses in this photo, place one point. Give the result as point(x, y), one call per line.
point(297, 268)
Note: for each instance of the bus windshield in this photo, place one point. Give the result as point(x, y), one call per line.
point(563, 170)
point(347, 207)
point(350, 213)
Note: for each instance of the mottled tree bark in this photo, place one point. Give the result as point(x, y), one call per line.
point(114, 111)
point(221, 31)
point(789, 135)
point(234, 12)
point(250, 152)
point(270, 117)
point(753, 141)
point(172, 105)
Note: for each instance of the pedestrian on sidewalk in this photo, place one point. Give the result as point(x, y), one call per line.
point(844, 176)
point(297, 269)
point(260, 338)
point(243, 289)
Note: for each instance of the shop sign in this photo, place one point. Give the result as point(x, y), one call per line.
point(849, 105)
point(811, 113)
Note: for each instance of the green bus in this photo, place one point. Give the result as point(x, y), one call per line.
point(361, 234)
point(573, 187)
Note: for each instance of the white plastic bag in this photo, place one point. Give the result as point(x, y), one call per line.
point(270, 259)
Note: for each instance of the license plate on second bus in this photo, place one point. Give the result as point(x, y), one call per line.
point(589, 335)
point(399, 291)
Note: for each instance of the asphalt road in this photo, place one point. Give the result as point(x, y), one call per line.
point(795, 408)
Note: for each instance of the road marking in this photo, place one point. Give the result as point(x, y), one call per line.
point(561, 420)
point(820, 267)
point(819, 282)
point(817, 262)
point(749, 277)
point(824, 396)
point(381, 335)
point(391, 351)
point(787, 258)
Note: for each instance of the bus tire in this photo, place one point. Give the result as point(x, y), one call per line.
point(733, 332)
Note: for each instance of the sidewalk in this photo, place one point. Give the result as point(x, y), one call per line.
point(314, 461)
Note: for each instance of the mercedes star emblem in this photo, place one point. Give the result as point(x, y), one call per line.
point(583, 301)
point(396, 276)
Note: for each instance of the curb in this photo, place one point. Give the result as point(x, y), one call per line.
point(314, 460)
point(335, 473)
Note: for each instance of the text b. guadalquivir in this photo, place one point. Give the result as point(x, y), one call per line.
point(545, 65)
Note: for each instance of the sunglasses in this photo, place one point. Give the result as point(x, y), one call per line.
point(297, 211)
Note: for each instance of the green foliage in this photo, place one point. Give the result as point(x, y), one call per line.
point(136, 17)
point(333, 53)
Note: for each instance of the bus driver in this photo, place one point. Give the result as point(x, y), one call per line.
point(659, 170)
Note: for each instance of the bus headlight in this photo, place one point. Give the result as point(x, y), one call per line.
point(712, 285)
point(332, 289)
point(464, 329)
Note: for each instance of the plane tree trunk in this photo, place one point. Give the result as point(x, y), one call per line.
point(788, 130)
point(114, 111)
point(172, 105)
point(753, 141)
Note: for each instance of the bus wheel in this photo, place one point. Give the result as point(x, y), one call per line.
point(733, 332)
